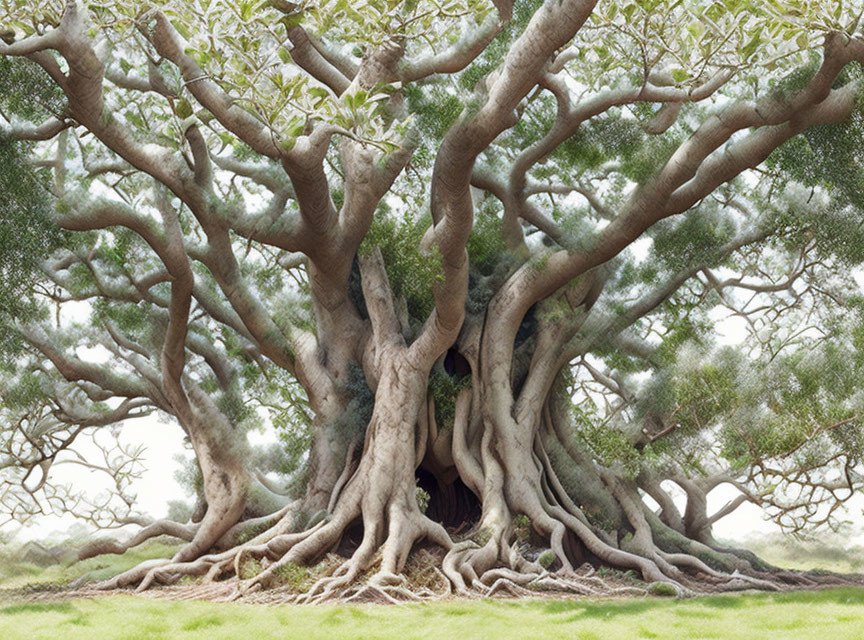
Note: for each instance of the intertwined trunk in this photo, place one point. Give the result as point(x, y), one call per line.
point(509, 454)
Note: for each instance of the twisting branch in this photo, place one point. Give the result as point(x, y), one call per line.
point(452, 206)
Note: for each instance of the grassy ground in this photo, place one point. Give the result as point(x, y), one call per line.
point(15, 575)
point(832, 614)
point(835, 614)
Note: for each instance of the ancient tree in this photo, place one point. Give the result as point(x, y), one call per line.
point(465, 256)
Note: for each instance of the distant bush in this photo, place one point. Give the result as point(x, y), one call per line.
point(830, 552)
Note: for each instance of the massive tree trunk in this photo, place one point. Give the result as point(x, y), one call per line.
point(225, 478)
point(509, 454)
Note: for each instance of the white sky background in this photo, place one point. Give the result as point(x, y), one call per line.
point(163, 441)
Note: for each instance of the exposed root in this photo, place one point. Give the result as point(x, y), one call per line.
point(254, 527)
point(158, 528)
point(513, 478)
point(486, 566)
point(212, 566)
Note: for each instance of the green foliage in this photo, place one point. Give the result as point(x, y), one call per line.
point(611, 446)
point(801, 406)
point(435, 110)
point(498, 48)
point(27, 234)
point(235, 407)
point(485, 245)
point(646, 159)
point(292, 576)
point(662, 589)
point(489, 259)
point(697, 394)
point(693, 240)
point(792, 83)
point(249, 568)
point(537, 118)
point(444, 390)
point(610, 138)
point(684, 329)
point(632, 274)
point(412, 274)
point(35, 95)
point(800, 394)
point(546, 559)
point(423, 498)
point(522, 528)
point(24, 391)
point(129, 318)
point(830, 157)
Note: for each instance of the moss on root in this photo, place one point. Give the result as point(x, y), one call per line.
point(298, 579)
point(662, 589)
point(546, 559)
point(249, 568)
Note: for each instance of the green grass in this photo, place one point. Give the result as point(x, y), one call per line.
point(17, 575)
point(835, 613)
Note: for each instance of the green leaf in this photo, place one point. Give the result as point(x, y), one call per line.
point(292, 21)
point(135, 119)
point(295, 128)
point(750, 48)
point(680, 75)
point(181, 29)
point(319, 94)
point(183, 109)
